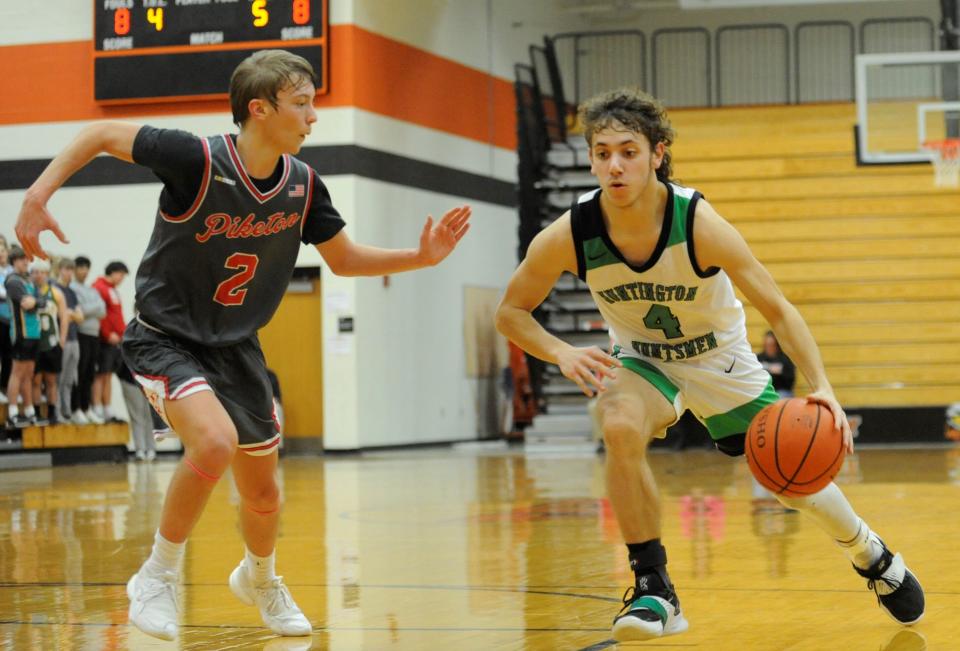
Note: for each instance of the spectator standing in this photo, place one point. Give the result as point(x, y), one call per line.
point(141, 421)
point(6, 344)
point(25, 336)
point(88, 336)
point(778, 365)
point(112, 326)
point(71, 346)
point(53, 321)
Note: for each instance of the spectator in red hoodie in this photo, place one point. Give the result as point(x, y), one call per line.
point(111, 332)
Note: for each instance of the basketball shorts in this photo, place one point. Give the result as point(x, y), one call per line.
point(724, 390)
point(168, 368)
point(108, 358)
point(25, 350)
point(50, 361)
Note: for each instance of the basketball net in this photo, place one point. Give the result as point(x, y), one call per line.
point(945, 156)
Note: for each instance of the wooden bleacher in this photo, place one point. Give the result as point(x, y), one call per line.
point(66, 435)
point(63, 443)
point(868, 254)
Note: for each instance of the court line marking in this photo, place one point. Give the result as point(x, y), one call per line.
point(536, 589)
point(611, 642)
point(321, 629)
point(599, 646)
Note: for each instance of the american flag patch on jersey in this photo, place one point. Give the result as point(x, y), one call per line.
point(295, 190)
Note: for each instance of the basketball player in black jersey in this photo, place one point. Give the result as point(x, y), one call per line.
point(232, 214)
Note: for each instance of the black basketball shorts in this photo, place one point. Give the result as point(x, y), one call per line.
point(168, 368)
point(50, 361)
point(108, 358)
point(25, 350)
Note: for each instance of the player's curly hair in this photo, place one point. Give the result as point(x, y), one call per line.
point(262, 75)
point(638, 112)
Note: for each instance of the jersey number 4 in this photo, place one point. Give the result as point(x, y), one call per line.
point(231, 291)
point(659, 317)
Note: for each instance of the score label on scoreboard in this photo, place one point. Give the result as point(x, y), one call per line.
point(193, 42)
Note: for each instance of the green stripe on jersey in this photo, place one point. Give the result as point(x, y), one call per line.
point(678, 230)
point(652, 375)
point(596, 254)
point(737, 420)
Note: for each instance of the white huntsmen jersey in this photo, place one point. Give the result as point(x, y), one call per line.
point(668, 309)
point(677, 325)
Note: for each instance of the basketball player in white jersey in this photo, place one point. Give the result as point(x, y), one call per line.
point(661, 265)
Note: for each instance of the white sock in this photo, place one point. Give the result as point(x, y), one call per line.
point(262, 568)
point(832, 512)
point(98, 410)
point(165, 556)
point(29, 411)
point(12, 411)
point(864, 549)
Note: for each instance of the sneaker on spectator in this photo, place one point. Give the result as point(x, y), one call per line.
point(79, 418)
point(151, 455)
point(93, 417)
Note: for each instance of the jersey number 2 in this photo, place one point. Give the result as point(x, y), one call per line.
point(230, 291)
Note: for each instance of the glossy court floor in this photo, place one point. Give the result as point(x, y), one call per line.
point(480, 547)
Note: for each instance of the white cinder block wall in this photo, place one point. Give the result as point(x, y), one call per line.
point(403, 378)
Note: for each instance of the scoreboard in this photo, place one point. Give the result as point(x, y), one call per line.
point(155, 50)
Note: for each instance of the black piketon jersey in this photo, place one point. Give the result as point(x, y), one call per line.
point(216, 274)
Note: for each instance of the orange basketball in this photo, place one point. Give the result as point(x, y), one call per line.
point(793, 448)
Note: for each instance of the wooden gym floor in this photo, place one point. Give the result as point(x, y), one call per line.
point(480, 548)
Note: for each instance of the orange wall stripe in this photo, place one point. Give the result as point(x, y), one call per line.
point(410, 84)
point(54, 83)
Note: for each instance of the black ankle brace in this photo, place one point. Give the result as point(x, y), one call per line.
point(648, 561)
point(646, 555)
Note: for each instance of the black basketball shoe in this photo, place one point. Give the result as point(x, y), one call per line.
point(897, 589)
point(648, 614)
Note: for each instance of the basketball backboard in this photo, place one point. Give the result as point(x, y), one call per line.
point(904, 100)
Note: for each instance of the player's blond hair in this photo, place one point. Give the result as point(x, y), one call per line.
point(638, 112)
point(262, 75)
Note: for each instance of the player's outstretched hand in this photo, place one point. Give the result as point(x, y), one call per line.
point(828, 400)
point(438, 240)
point(587, 367)
point(34, 218)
